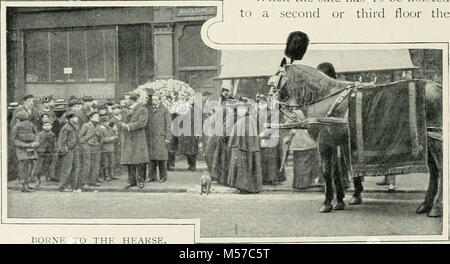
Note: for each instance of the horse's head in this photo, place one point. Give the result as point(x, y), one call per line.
point(303, 83)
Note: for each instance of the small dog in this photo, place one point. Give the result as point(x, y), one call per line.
point(205, 184)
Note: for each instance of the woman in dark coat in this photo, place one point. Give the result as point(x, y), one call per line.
point(245, 168)
point(222, 154)
point(188, 144)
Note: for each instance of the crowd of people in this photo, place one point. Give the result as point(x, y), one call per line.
point(87, 143)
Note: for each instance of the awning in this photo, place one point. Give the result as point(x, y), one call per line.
point(259, 63)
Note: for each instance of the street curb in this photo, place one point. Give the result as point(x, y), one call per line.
point(226, 191)
point(110, 189)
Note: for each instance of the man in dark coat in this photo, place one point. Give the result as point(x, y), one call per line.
point(134, 144)
point(160, 133)
point(188, 144)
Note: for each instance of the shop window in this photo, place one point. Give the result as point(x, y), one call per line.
point(71, 56)
point(193, 52)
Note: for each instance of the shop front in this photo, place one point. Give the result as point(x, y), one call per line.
point(106, 51)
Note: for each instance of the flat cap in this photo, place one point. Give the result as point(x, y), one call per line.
point(28, 96)
point(88, 98)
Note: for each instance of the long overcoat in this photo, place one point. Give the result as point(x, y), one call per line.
point(134, 140)
point(158, 131)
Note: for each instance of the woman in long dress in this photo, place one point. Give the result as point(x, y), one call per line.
point(245, 169)
point(222, 154)
point(271, 148)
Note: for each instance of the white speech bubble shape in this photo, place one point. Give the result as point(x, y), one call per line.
point(325, 21)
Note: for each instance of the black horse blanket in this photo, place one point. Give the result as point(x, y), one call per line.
point(388, 133)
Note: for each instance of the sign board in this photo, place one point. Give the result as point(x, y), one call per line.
point(68, 70)
point(196, 11)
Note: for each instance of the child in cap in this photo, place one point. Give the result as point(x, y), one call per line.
point(69, 150)
point(107, 137)
point(90, 143)
point(46, 152)
point(23, 136)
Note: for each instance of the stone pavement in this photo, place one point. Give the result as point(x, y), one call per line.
point(182, 180)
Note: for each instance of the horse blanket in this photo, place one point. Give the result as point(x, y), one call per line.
point(388, 132)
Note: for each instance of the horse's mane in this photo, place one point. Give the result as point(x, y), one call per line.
point(307, 84)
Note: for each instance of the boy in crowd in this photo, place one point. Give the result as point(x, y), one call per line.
point(69, 150)
point(116, 118)
point(107, 138)
point(46, 152)
point(23, 135)
point(103, 114)
point(88, 106)
point(47, 108)
point(90, 143)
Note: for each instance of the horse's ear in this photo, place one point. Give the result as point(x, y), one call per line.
point(283, 62)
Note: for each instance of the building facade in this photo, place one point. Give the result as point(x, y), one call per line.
point(106, 51)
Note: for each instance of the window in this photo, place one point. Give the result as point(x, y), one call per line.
point(71, 56)
point(193, 52)
point(197, 62)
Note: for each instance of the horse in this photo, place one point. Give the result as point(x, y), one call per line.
point(320, 96)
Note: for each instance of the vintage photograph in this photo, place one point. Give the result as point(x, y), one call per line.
point(125, 113)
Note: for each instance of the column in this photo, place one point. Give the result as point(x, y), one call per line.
point(163, 51)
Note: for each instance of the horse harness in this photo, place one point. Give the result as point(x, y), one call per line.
point(343, 94)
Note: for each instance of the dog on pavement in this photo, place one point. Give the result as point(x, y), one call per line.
point(205, 184)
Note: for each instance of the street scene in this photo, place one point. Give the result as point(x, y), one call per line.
point(125, 113)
